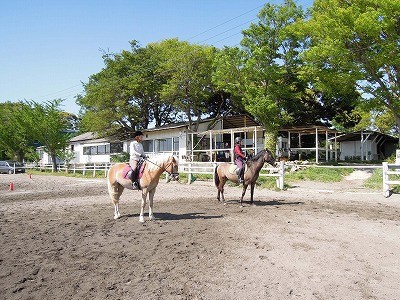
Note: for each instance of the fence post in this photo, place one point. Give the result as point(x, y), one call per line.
point(281, 172)
point(385, 177)
point(190, 174)
point(213, 173)
point(94, 170)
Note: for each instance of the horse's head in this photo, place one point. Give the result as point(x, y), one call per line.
point(268, 158)
point(171, 167)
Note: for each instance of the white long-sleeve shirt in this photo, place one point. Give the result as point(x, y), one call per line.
point(136, 150)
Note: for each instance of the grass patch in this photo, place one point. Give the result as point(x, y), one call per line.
point(375, 181)
point(318, 174)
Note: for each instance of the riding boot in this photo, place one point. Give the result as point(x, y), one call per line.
point(135, 185)
point(241, 173)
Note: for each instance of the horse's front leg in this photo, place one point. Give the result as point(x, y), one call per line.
point(243, 193)
point(252, 192)
point(117, 215)
point(143, 205)
point(151, 196)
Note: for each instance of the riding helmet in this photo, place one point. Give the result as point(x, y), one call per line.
point(137, 133)
point(238, 140)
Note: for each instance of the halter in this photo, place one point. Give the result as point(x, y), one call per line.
point(164, 169)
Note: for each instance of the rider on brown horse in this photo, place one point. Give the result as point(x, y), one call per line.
point(240, 158)
point(137, 154)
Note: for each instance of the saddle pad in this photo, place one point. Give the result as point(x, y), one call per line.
point(125, 171)
point(141, 171)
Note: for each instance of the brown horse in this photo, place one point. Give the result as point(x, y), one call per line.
point(227, 171)
point(153, 168)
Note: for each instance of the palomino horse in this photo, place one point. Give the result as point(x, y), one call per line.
point(227, 171)
point(151, 175)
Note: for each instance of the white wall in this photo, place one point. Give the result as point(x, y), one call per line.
point(353, 149)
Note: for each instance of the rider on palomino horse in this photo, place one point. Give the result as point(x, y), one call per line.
point(240, 158)
point(137, 154)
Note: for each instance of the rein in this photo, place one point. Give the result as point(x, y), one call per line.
point(162, 167)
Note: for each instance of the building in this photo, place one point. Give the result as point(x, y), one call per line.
point(366, 145)
point(212, 141)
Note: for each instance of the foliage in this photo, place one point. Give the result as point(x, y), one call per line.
point(356, 44)
point(14, 140)
point(44, 123)
point(120, 157)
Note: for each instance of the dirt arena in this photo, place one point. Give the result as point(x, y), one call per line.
point(314, 241)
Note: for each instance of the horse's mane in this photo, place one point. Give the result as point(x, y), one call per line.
point(258, 155)
point(156, 161)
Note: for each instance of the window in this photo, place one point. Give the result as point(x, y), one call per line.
point(86, 150)
point(101, 149)
point(148, 146)
point(165, 145)
point(176, 144)
point(116, 147)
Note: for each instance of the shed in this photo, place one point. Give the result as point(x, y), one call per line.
point(366, 145)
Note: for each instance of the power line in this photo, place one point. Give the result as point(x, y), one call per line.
point(43, 98)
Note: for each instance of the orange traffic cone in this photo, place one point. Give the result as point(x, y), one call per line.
point(11, 186)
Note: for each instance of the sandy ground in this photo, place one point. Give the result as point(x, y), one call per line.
point(58, 240)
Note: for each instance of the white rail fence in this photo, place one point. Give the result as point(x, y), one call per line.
point(84, 169)
point(192, 168)
point(387, 170)
point(189, 168)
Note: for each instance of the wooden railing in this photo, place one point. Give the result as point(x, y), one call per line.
point(192, 168)
point(387, 170)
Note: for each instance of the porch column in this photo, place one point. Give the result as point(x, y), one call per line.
point(211, 154)
point(336, 147)
point(326, 146)
point(255, 141)
point(316, 145)
point(300, 146)
point(362, 146)
point(232, 145)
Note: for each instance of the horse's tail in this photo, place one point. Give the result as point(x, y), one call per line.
point(216, 177)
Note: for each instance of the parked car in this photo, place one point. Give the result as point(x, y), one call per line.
point(11, 167)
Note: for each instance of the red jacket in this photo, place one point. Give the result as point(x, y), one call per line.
point(238, 152)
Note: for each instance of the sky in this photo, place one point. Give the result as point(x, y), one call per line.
point(49, 48)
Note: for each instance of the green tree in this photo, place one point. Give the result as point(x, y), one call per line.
point(188, 71)
point(14, 142)
point(356, 44)
point(46, 124)
point(264, 72)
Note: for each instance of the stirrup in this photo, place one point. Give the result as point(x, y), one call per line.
point(135, 185)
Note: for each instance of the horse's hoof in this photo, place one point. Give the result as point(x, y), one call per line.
point(116, 217)
point(141, 219)
point(152, 218)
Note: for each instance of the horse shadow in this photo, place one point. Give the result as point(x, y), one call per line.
point(266, 203)
point(174, 217)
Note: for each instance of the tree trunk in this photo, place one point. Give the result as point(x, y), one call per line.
point(53, 161)
point(270, 140)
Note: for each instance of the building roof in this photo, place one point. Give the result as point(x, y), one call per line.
point(356, 136)
point(309, 129)
point(89, 137)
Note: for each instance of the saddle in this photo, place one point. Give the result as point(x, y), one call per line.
point(134, 174)
point(233, 169)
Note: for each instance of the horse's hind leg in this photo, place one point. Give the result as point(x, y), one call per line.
point(221, 190)
point(115, 191)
